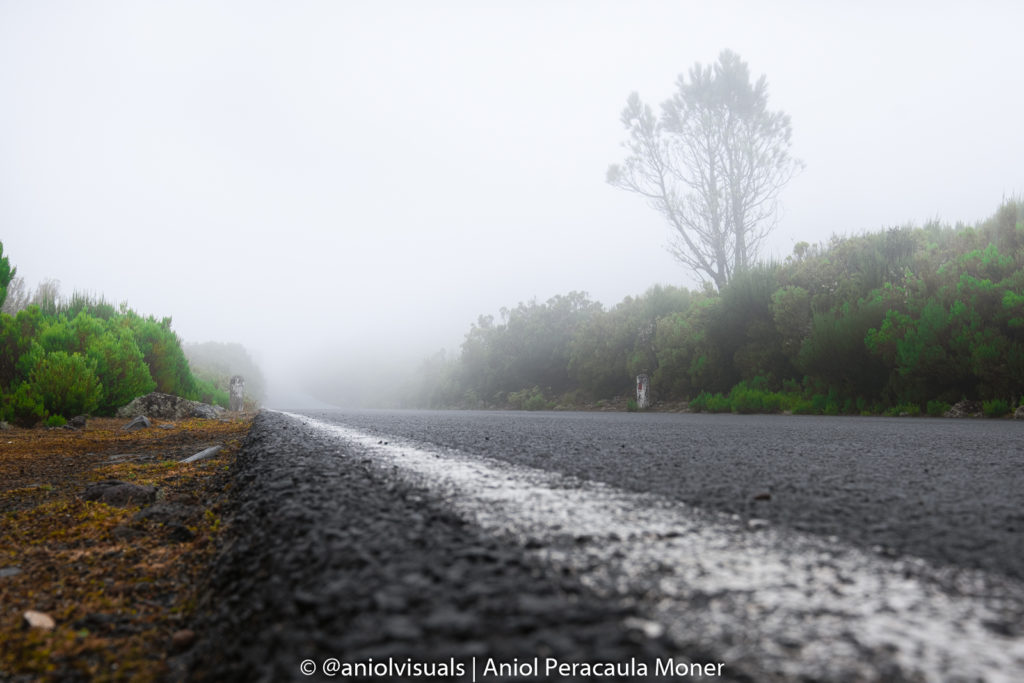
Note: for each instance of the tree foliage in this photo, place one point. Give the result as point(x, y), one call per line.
point(713, 164)
point(905, 320)
point(7, 274)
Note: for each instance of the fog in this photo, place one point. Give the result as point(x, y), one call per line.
point(344, 187)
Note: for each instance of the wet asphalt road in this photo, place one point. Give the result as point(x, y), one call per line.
point(949, 491)
point(343, 549)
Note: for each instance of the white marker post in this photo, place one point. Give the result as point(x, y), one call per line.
point(643, 385)
point(237, 391)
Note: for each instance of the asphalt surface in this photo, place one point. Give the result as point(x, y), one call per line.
point(783, 548)
point(330, 557)
point(950, 491)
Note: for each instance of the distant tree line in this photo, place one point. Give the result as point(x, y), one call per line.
point(907, 320)
point(65, 357)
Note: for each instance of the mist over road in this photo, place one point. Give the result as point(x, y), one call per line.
point(492, 537)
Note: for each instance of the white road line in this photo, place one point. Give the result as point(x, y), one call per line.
point(783, 604)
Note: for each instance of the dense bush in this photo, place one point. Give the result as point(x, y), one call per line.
point(63, 358)
point(67, 383)
point(904, 321)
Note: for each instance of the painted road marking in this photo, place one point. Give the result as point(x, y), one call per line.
point(763, 599)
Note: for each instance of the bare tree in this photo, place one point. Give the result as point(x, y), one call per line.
point(17, 296)
point(47, 296)
point(713, 164)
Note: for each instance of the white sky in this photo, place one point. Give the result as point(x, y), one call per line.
point(364, 178)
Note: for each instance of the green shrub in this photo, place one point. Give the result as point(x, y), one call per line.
point(937, 408)
point(711, 403)
point(995, 407)
point(745, 399)
point(805, 407)
point(719, 404)
point(632, 406)
point(24, 407)
point(208, 393)
point(56, 421)
point(699, 404)
point(529, 399)
point(67, 383)
point(120, 368)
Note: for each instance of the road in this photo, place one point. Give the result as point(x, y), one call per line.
point(777, 548)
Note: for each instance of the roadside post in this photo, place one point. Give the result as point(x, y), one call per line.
point(643, 385)
point(237, 391)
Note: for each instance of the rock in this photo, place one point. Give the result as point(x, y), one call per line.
point(172, 518)
point(651, 629)
point(763, 495)
point(402, 628)
point(125, 533)
point(4, 427)
point(179, 533)
point(9, 571)
point(77, 422)
point(204, 454)
point(167, 513)
point(119, 493)
point(1019, 413)
point(141, 422)
point(183, 639)
point(33, 619)
point(168, 407)
point(965, 409)
point(119, 458)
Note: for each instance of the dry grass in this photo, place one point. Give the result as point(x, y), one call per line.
point(119, 590)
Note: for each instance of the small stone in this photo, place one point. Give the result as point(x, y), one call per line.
point(125, 533)
point(402, 628)
point(451, 620)
point(9, 571)
point(203, 454)
point(763, 495)
point(651, 629)
point(167, 513)
point(389, 600)
point(183, 639)
point(141, 422)
point(40, 620)
point(119, 493)
point(179, 533)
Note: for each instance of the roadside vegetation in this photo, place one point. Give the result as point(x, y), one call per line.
point(906, 321)
point(65, 357)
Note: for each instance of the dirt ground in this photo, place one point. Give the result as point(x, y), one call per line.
point(115, 587)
